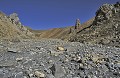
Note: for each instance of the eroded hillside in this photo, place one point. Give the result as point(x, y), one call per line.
point(11, 27)
point(61, 33)
point(105, 29)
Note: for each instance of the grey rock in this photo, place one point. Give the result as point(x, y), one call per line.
point(58, 71)
point(30, 64)
point(118, 65)
point(39, 74)
point(12, 50)
point(1, 73)
point(50, 76)
point(7, 63)
point(19, 75)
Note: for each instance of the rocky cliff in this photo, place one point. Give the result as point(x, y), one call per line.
point(11, 27)
point(105, 28)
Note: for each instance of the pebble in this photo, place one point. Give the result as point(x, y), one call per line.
point(12, 50)
point(39, 74)
point(60, 49)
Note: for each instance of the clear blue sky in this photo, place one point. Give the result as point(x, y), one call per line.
point(46, 14)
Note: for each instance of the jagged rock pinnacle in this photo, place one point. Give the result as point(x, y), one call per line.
point(77, 24)
point(14, 18)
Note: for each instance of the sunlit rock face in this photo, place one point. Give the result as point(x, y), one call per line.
point(11, 27)
point(107, 11)
point(105, 28)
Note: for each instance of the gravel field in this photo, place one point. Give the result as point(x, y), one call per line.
point(52, 58)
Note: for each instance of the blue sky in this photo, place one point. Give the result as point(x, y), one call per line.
point(47, 14)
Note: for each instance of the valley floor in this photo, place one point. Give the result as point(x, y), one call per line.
point(52, 58)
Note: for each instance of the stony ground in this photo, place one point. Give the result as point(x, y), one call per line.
point(57, 59)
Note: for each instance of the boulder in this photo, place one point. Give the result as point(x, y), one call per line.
point(58, 71)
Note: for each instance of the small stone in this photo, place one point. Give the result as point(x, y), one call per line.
point(95, 58)
point(39, 74)
point(19, 59)
point(118, 65)
point(76, 77)
point(105, 68)
point(1, 73)
point(24, 77)
point(67, 60)
point(94, 77)
point(55, 53)
point(60, 49)
point(31, 75)
point(7, 63)
point(19, 75)
point(12, 50)
point(81, 65)
point(50, 61)
point(50, 76)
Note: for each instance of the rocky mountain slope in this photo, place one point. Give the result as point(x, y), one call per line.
point(10, 27)
point(61, 33)
point(105, 29)
point(55, 33)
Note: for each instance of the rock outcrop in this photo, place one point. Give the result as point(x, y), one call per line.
point(11, 27)
point(77, 24)
point(105, 28)
point(105, 12)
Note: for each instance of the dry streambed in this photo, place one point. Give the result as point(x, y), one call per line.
point(58, 59)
